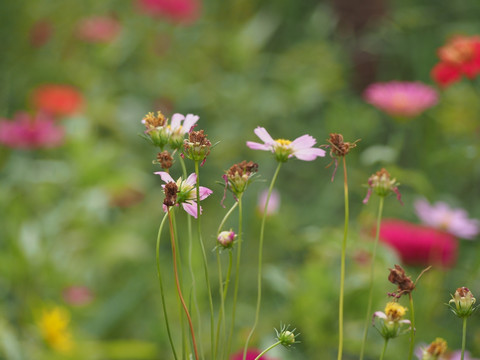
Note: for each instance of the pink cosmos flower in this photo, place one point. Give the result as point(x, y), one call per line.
point(419, 245)
point(443, 217)
point(77, 295)
point(251, 355)
point(273, 204)
point(27, 132)
point(187, 193)
point(401, 99)
point(180, 11)
point(302, 147)
point(98, 29)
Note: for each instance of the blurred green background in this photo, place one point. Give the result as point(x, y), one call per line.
point(86, 213)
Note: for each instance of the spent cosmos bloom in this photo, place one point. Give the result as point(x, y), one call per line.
point(179, 11)
point(401, 99)
point(186, 194)
point(382, 184)
point(462, 303)
point(419, 245)
point(58, 100)
point(435, 351)
point(338, 149)
point(98, 29)
point(442, 217)
point(30, 132)
point(239, 176)
point(391, 321)
point(460, 56)
point(54, 327)
point(197, 146)
point(302, 147)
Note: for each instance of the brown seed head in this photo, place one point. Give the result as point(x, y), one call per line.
point(171, 191)
point(199, 138)
point(165, 159)
point(242, 168)
point(338, 147)
point(405, 284)
point(151, 121)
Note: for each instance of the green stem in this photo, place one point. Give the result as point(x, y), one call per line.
point(384, 349)
point(412, 332)
point(260, 253)
point(342, 268)
point(372, 275)
point(464, 336)
point(162, 293)
point(237, 273)
point(177, 282)
point(223, 292)
point(204, 255)
point(267, 350)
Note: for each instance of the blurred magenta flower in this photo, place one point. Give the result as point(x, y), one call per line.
point(58, 100)
point(251, 355)
point(187, 194)
point(302, 147)
point(460, 56)
point(30, 132)
point(98, 29)
point(77, 295)
point(273, 204)
point(443, 217)
point(179, 11)
point(401, 99)
point(419, 245)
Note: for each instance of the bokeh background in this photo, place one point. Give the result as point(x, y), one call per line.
point(78, 217)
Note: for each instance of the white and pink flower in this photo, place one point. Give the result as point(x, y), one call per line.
point(187, 193)
point(302, 147)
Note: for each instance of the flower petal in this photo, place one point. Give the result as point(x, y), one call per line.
point(191, 208)
point(204, 192)
point(190, 120)
point(303, 142)
point(309, 154)
point(165, 176)
point(264, 135)
point(191, 180)
point(257, 146)
point(176, 121)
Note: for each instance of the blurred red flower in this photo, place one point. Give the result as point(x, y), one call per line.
point(58, 100)
point(251, 355)
point(27, 132)
point(98, 29)
point(180, 11)
point(460, 56)
point(419, 245)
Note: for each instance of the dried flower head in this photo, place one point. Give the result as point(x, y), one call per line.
point(383, 185)
point(405, 284)
point(391, 321)
point(164, 159)
point(338, 148)
point(171, 190)
point(197, 147)
point(462, 303)
point(239, 176)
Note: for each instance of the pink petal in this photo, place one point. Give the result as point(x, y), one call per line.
point(380, 315)
point(257, 146)
point(309, 154)
point(190, 120)
point(204, 192)
point(176, 121)
point(263, 135)
point(303, 142)
point(165, 176)
point(191, 208)
point(191, 180)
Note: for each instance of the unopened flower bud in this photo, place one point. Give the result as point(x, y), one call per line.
point(463, 301)
point(286, 337)
point(226, 238)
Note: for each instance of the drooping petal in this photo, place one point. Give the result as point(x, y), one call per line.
point(176, 121)
point(165, 176)
point(264, 135)
point(257, 146)
point(309, 154)
point(191, 180)
point(191, 208)
point(204, 192)
point(303, 142)
point(190, 120)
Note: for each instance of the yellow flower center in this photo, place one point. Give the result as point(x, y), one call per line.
point(283, 142)
point(394, 311)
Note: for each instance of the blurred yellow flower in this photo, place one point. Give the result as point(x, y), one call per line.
point(53, 325)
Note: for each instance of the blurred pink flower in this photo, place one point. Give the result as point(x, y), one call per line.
point(419, 245)
point(251, 355)
point(401, 99)
point(443, 217)
point(302, 147)
point(273, 204)
point(455, 355)
point(57, 99)
point(179, 11)
point(98, 29)
point(77, 295)
point(27, 132)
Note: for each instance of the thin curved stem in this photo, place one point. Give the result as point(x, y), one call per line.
point(162, 292)
point(412, 332)
point(204, 255)
point(342, 267)
point(267, 349)
point(177, 282)
point(260, 253)
point(384, 349)
point(464, 337)
point(372, 275)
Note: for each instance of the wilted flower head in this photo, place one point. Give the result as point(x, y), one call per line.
point(383, 185)
point(273, 203)
point(391, 321)
point(239, 176)
point(226, 238)
point(441, 216)
point(302, 147)
point(179, 11)
point(57, 100)
point(54, 327)
point(398, 277)
point(435, 350)
point(197, 147)
point(460, 56)
point(419, 245)
point(98, 29)
point(164, 159)
point(462, 303)
point(338, 148)
point(183, 192)
point(401, 99)
point(156, 128)
point(30, 132)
